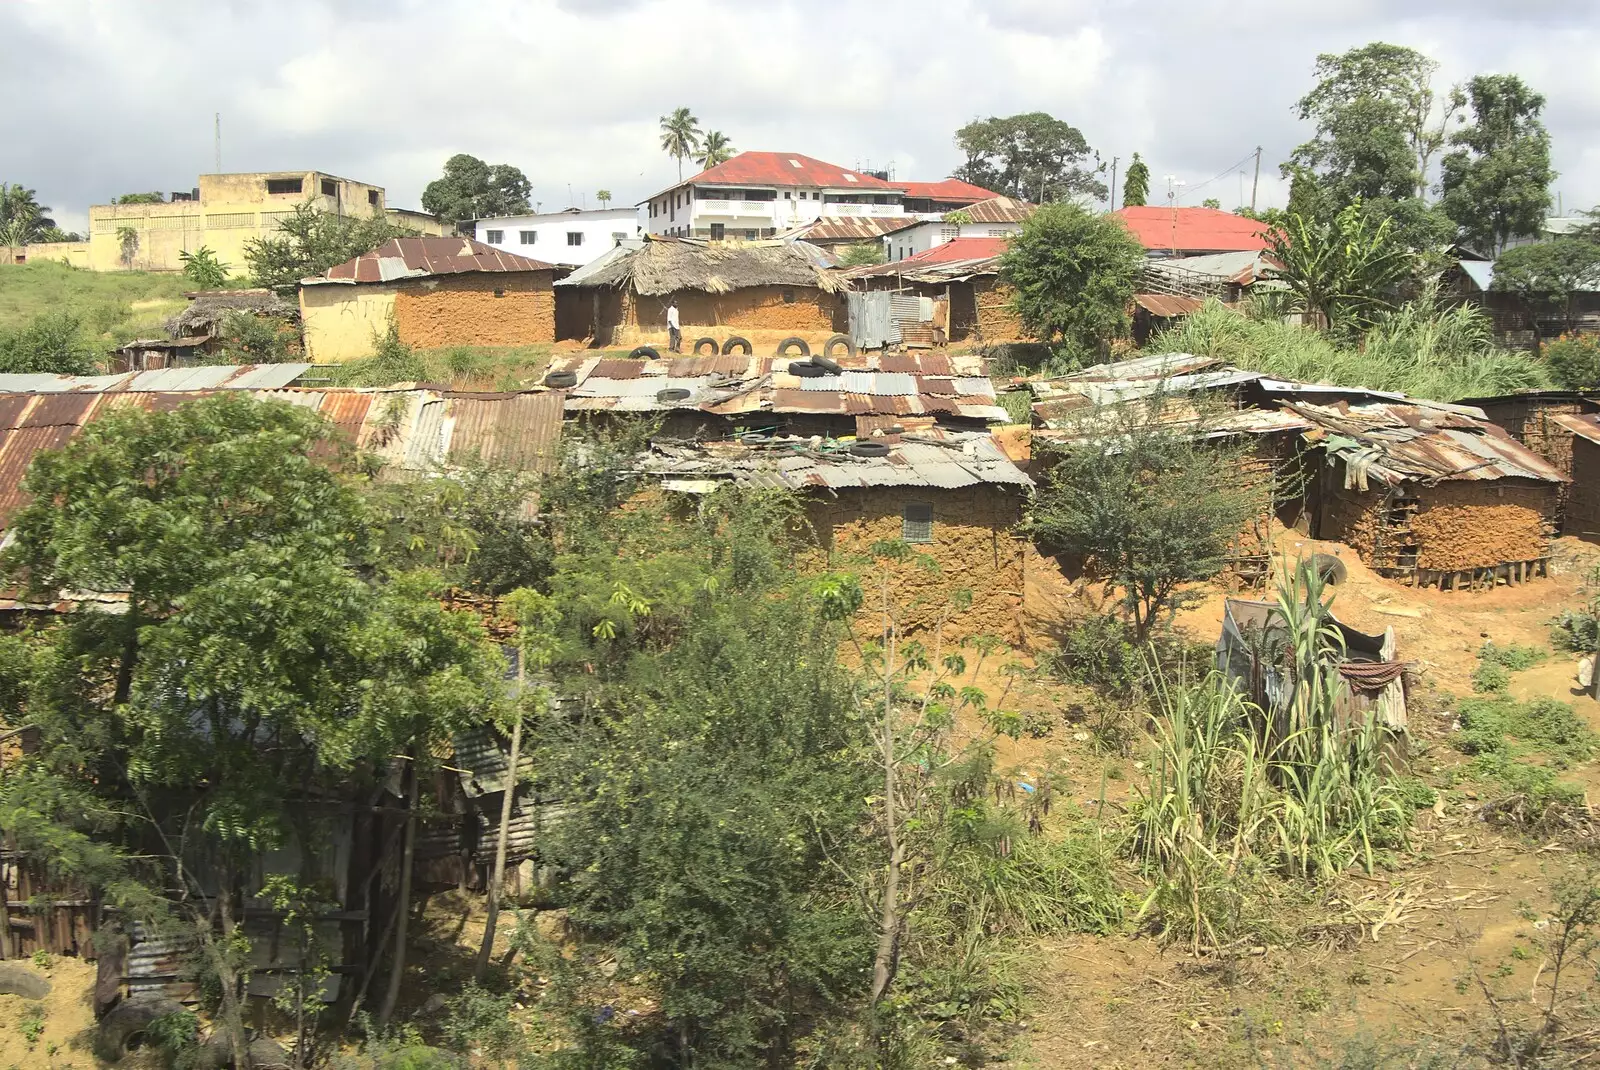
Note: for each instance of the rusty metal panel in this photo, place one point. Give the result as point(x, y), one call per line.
point(347, 411)
point(612, 368)
point(12, 408)
point(522, 430)
point(54, 410)
point(17, 450)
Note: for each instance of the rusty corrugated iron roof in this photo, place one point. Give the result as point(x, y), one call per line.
point(852, 228)
point(197, 377)
point(415, 258)
point(1166, 306)
point(1000, 210)
point(1584, 425)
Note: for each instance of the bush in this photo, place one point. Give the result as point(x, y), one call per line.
point(52, 342)
point(1498, 725)
point(1574, 360)
point(392, 361)
point(1575, 631)
point(250, 339)
point(479, 1021)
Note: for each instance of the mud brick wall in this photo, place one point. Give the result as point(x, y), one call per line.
point(1583, 501)
point(972, 546)
point(1468, 523)
point(996, 321)
point(1352, 517)
point(463, 310)
point(796, 309)
point(1530, 423)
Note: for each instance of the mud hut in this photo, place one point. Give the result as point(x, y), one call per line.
point(762, 291)
point(1553, 424)
point(961, 281)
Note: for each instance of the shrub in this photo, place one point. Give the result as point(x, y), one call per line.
point(1574, 360)
point(1575, 631)
point(250, 339)
point(392, 361)
point(52, 342)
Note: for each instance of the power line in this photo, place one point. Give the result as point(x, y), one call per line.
point(1225, 173)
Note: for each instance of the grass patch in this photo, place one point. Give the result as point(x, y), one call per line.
point(1497, 663)
point(462, 367)
point(1018, 405)
point(1522, 746)
point(113, 306)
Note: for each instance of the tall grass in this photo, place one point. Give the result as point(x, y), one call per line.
point(114, 306)
point(463, 367)
point(1424, 348)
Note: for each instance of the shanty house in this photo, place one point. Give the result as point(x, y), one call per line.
point(959, 279)
point(1559, 426)
point(955, 497)
point(434, 292)
point(762, 291)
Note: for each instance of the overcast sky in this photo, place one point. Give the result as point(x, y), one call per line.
point(114, 96)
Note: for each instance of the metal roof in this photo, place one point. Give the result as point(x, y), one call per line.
point(1166, 306)
point(946, 189)
point(1481, 272)
point(415, 258)
point(943, 459)
point(1199, 229)
point(782, 169)
point(1584, 425)
point(199, 377)
point(1000, 210)
point(851, 228)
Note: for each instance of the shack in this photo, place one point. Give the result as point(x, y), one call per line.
point(208, 311)
point(1553, 423)
point(761, 291)
point(960, 279)
point(955, 497)
point(433, 292)
point(1582, 516)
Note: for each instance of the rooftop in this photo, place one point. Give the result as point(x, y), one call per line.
point(851, 228)
point(945, 189)
point(1192, 229)
point(415, 258)
point(784, 169)
point(658, 266)
point(999, 210)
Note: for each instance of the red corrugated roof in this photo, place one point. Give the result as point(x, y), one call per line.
point(784, 169)
point(415, 257)
point(1193, 230)
point(959, 249)
point(947, 189)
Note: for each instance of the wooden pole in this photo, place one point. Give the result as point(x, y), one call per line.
point(397, 964)
point(487, 947)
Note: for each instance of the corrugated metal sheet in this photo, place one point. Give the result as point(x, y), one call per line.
point(1584, 425)
point(521, 430)
point(205, 377)
point(412, 258)
point(1166, 306)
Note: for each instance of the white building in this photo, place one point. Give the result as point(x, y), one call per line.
point(997, 217)
point(757, 194)
point(572, 236)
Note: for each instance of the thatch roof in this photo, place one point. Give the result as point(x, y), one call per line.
point(665, 265)
point(207, 307)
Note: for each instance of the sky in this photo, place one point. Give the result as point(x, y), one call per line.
point(115, 96)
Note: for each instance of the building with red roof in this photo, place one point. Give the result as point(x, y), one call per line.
point(435, 292)
point(758, 194)
point(991, 220)
point(945, 195)
point(1164, 230)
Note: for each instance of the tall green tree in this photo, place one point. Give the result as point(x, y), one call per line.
point(1136, 186)
point(1032, 157)
point(1341, 270)
point(310, 242)
point(680, 136)
point(264, 661)
point(714, 148)
point(472, 189)
point(23, 219)
point(203, 268)
point(1073, 272)
point(1548, 275)
point(1495, 183)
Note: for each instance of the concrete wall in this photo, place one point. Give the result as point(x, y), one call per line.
point(341, 322)
point(972, 544)
point(75, 253)
point(919, 239)
point(597, 231)
point(494, 309)
point(1583, 502)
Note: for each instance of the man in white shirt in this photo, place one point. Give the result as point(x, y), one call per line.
point(674, 335)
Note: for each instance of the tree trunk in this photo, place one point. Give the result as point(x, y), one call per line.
point(500, 841)
point(397, 964)
point(130, 653)
point(228, 978)
point(890, 914)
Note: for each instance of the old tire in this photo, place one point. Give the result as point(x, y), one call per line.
point(827, 365)
point(1330, 568)
point(127, 1021)
point(754, 438)
point(741, 344)
point(839, 340)
point(644, 353)
point(783, 347)
point(805, 369)
point(870, 449)
point(17, 980)
point(675, 393)
point(561, 380)
point(706, 341)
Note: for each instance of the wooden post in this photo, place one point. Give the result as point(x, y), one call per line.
point(397, 964)
point(498, 877)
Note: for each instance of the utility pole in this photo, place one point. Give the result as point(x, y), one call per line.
point(1112, 204)
point(216, 131)
point(1255, 182)
point(1172, 203)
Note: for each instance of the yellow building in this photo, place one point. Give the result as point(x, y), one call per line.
point(223, 213)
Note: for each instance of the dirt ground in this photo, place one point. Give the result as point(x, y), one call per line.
point(57, 1031)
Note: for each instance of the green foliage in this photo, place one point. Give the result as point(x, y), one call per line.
point(104, 300)
point(177, 1037)
point(480, 1022)
point(472, 189)
point(22, 218)
point(140, 198)
point(1574, 361)
point(1033, 157)
point(862, 254)
point(1136, 185)
point(680, 135)
point(1498, 724)
point(392, 361)
point(1342, 269)
point(1496, 664)
point(52, 342)
point(1495, 184)
point(1547, 275)
point(1577, 631)
point(1145, 506)
point(1423, 348)
point(310, 242)
point(202, 268)
point(31, 1024)
point(1074, 274)
point(245, 338)
point(127, 244)
point(714, 149)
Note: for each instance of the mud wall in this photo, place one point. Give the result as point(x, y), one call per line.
point(1465, 524)
point(1352, 517)
point(996, 321)
point(797, 309)
point(492, 309)
point(1583, 501)
point(972, 546)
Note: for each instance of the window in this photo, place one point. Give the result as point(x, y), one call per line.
point(330, 188)
point(749, 235)
point(949, 233)
point(494, 237)
point(618, 237)
point(285, 185)
point(788, 297)
point(998, 233)
point(574, 237)
point(916, 523)
point(786, 195)
point(372, 197)
point(718, 232)
point(528, 237)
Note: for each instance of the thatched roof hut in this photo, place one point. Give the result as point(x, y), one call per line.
point(208, 307)
point(663, 266)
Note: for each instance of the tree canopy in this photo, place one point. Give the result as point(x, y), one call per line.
point(50, 342)
point(1495, 183)
point(1136, 186)
point(1032, 157)
point(23, 220)
point(1340, 270)
point(472, 189)
point(680, 136)
point(1548, 274)
point(310, 242)
point(714, 148)
point(1073, 271)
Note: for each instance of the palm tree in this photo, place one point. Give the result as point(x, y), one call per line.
point(22, 217)
point(680, 134)
point(714, 149)
point(603, 196)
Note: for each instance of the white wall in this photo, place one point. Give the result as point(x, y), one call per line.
point(792, 207)
point(597, 228)
point(920, 239)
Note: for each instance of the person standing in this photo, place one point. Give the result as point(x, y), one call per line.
point(674, 335)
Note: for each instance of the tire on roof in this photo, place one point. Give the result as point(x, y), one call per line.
point(645, 353)
point(741, 344)
point(706, 341)
point(805, 369)
point(783, 347)
point(839, 340)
